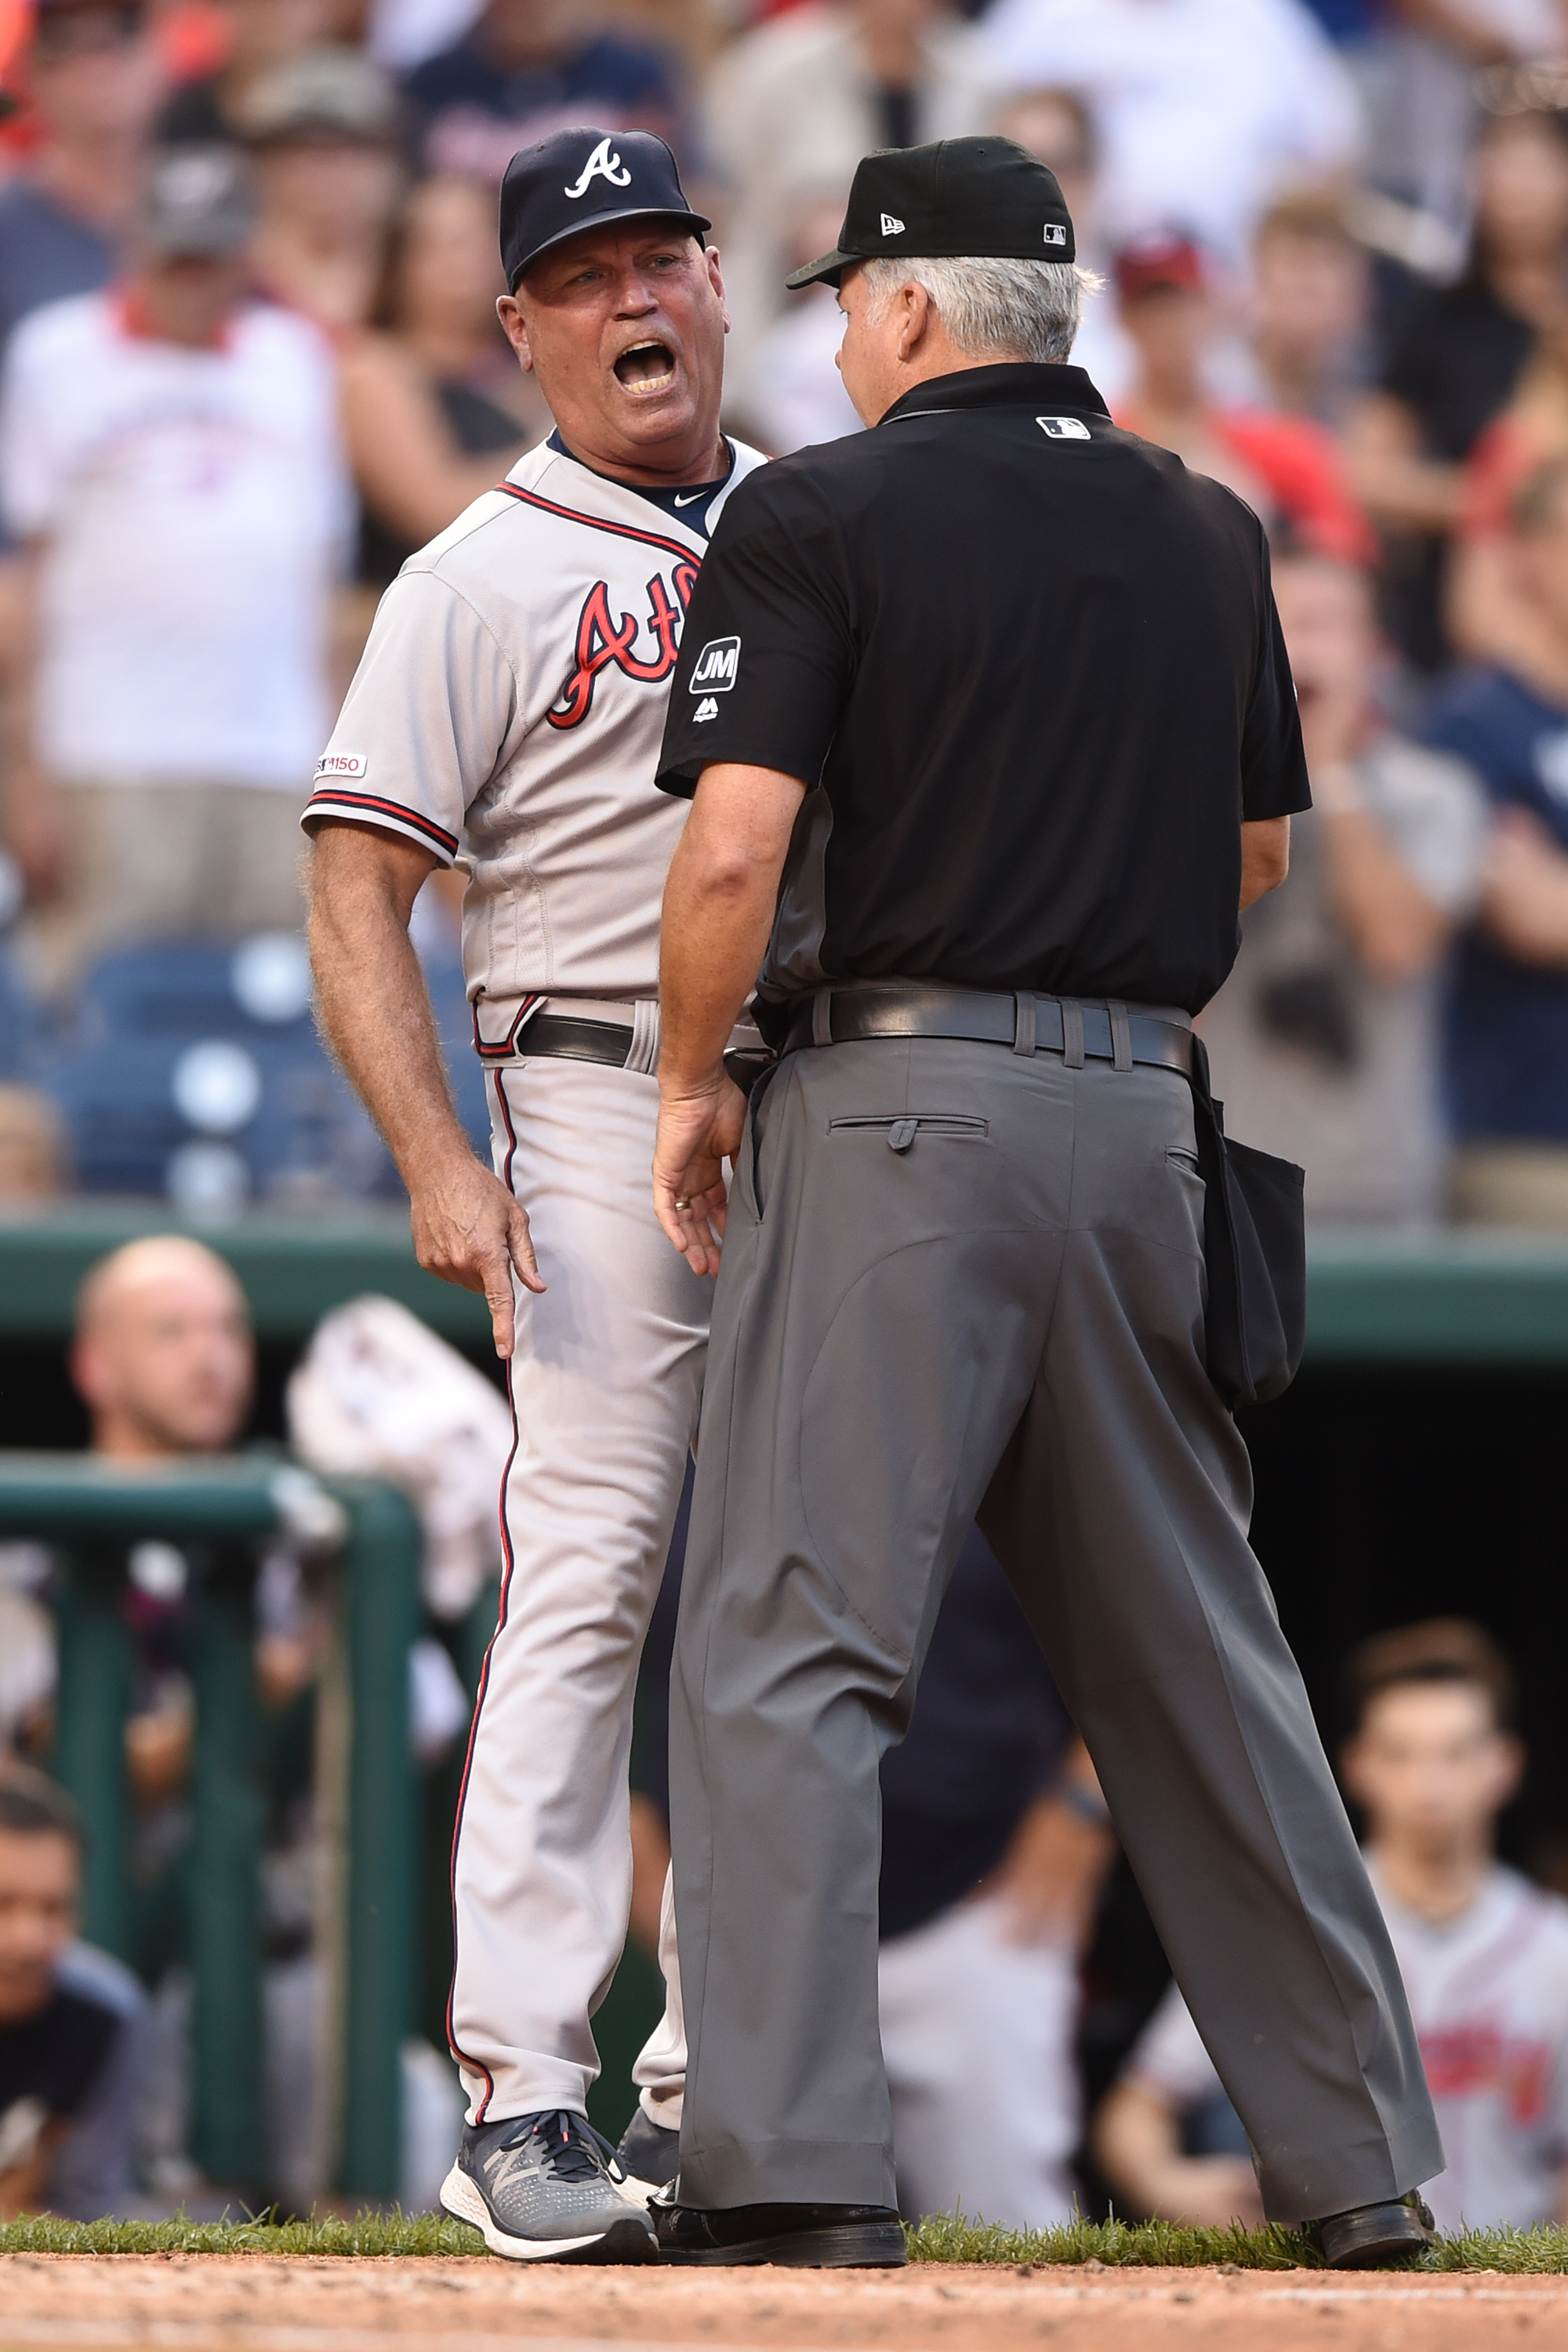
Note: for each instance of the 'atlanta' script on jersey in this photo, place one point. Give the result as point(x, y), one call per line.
point(603, 641)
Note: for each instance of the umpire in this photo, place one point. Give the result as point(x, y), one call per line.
point(991, 730)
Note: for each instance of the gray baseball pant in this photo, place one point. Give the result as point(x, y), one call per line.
point(963, 1282)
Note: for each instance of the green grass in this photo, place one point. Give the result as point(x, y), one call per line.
point(367, 2233)
point(951, 2238)
point(946, 2238)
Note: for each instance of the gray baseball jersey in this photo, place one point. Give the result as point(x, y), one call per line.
point(508, 715)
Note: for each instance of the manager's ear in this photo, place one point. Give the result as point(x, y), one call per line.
point(514, 327)
point(716, 279)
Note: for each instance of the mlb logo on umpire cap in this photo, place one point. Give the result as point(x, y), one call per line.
point(717, 666)
point(586, 179)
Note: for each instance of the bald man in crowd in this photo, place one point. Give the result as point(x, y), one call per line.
point(164, 1357)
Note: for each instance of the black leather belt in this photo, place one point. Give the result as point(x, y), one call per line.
point(1027, 1022)
point(567, 1039)
point(563, 1037)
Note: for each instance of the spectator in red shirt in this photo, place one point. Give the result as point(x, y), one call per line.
point(1286, 468)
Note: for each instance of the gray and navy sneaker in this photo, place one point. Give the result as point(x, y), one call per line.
point(547, 2189)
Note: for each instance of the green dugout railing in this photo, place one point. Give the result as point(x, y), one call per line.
point(219, 1510)
point(1460, 1299)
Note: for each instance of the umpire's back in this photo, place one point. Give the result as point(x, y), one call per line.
point(1033, 663)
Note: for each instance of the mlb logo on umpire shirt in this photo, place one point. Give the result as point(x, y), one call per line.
point(716, 666)
point(1063, 428)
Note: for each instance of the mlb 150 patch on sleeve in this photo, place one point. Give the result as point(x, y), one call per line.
point(341, 763)
point(716, 665)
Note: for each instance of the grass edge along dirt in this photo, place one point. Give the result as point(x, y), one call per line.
point(942, 2238)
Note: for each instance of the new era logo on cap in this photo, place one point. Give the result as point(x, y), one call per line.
point(891, 224)
point(716, 665)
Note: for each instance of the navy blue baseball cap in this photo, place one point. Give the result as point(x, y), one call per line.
point(586, 179)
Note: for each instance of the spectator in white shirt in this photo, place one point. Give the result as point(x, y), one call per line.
point(169, 456)
point(1205, 108)
point(1433, 1759)
point(795, 104)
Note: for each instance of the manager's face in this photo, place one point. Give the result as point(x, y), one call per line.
point(625, 329)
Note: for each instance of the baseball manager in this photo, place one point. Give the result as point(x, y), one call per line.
point(508, 710)
point(1000, 694)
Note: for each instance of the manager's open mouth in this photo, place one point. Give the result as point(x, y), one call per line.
point(647, 367)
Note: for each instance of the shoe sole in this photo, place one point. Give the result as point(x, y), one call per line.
point(1379, 2246)
point(849, 2246)
point(1379, 2253)
point(631, 2241)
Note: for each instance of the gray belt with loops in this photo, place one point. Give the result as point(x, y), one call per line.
point(1023, 1020)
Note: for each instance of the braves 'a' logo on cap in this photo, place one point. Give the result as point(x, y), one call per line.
point(602, 165)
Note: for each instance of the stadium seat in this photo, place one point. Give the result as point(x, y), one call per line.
point(193, 1072)
point(199, 989)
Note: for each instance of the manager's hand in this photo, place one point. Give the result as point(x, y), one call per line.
point(468, 1229)
point(697, 1132)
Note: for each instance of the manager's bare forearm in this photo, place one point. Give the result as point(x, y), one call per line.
point(373, 1006)
point(375, 1010)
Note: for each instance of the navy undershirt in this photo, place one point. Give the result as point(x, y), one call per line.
point(688, 503)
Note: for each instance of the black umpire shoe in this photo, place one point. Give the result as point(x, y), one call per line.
point(806, 2237)
point(1377, 2237)
point(649, 2155)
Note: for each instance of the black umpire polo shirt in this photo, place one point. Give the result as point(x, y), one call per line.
point(1031, 667)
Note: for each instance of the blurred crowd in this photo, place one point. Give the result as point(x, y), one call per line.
point(247, 274)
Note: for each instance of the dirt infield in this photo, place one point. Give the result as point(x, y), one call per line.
point(254, 2304)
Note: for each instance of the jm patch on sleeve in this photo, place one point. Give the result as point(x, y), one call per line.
point(717, 667)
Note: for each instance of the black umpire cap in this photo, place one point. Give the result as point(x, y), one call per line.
point(987, 197)
point(584, 179)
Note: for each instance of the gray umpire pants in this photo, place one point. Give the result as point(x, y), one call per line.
point(959, 1282)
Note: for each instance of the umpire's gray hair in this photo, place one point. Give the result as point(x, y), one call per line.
point(993, 308)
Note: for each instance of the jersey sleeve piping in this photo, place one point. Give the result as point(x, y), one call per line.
point(391, 816)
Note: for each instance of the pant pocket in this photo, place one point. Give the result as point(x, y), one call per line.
point(901, 1128)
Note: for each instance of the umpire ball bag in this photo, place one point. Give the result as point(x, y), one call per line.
point(1255, 1251)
